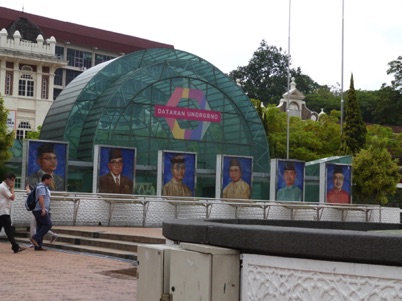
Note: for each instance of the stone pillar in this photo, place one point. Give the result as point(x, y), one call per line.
point(39, 42)
point(38, 83)
point(2, 77)
point(3, 38)
point(51, 82)
point(16, 78)
point(17, 39)
point(52, 43)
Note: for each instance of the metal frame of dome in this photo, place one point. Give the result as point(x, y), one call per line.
point(113, 104)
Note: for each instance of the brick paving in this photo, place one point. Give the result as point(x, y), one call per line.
point(66, 276)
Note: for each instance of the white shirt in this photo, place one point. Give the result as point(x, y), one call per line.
point(5, 202)
point(116, 178)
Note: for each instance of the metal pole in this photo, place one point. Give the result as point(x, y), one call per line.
point(287, 103)
point(342, 68)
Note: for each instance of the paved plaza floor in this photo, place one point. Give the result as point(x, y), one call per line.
point(64, 276)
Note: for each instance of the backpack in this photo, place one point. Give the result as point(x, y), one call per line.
point(31, 200)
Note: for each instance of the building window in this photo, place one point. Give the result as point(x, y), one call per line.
point(58, 77)
point(26, 86)
point(78, 58)
point(100, 58)
point(9, 84)
point(17, 183)
point(22, 131)
point(28, 68)
point(70, 75)
point(45, 88)
point(56, 93)
point(59, 52)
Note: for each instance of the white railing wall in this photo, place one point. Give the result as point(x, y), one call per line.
point(150, 211)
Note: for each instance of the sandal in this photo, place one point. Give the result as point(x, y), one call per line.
point(20, 249)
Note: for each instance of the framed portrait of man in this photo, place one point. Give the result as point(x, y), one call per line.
point(114, 169)
point(289, 181)
point(236, 174)
point(338, 183)
point(45, 157)
point(178, 173)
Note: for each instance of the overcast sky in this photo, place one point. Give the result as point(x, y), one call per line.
point(227, 32)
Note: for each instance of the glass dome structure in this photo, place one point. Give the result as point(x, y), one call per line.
point(115, 103)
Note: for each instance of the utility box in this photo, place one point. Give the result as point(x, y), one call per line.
point(204, 273)
point(153, 272)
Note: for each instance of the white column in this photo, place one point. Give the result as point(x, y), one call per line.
point(51, 82)
point(16, 78)
point(38, 83)
point(2, 77)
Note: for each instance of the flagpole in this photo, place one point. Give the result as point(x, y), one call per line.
point(342, 68)
point(287, 103)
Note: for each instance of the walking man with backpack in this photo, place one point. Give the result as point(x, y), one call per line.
point(6, 197)
point(41, 212)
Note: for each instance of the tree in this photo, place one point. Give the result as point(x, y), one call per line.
point(392, 141)
point(34, 134)
point(375, 174)
point(395, 67)
point(369, 101)
point(6, 137)
point(266, 75)
point(260, 111)
point(308, 140)
point(323, 98)
point(305, 83)
point(354, 133)
point(388, 107)
point(276, 134)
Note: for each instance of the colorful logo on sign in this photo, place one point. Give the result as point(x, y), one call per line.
point(171, 112)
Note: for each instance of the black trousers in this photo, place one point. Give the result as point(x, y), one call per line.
point(5, 222)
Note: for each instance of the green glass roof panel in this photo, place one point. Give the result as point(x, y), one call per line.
point(115, 102)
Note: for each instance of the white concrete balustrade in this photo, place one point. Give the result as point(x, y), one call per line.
point(18, 44)
point(150, 211)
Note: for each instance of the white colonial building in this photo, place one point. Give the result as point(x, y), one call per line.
point(40, 56)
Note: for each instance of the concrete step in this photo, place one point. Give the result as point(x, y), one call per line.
point(111, 236)
point(110, 252)
point(122, 246)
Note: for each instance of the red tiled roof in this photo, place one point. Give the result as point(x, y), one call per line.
point(81, 35)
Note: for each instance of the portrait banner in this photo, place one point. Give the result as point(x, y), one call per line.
point(290, 181)
point(236, 174)
point(338, 183)
point(114, 169)
point(46, 157)
point(178, 173)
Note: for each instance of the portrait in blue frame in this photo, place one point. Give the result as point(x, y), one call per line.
point(178, 174)
point(237, 177)
point(338, 183)
point(290, 180)
point(116, 170)
point(47, 157)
